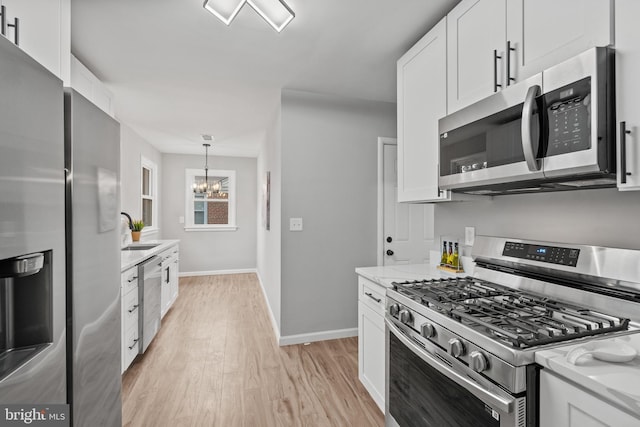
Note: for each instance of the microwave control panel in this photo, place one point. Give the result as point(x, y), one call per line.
point(548, 254)
point(569, 117)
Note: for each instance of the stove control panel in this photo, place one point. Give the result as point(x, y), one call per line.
point(548, 254)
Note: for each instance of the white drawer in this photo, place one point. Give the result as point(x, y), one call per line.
point(130, 310)
point(372, 295)
point(129, 280)
point(131, 345)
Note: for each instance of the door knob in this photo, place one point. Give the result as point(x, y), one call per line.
point(389, 239)
point(389, 252)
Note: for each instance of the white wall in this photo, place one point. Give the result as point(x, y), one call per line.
point(604, 217)
point(132, 148)
point(211, 251)
point(329, 179)
point(269, 241)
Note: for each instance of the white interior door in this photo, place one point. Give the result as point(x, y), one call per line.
point(407, 229)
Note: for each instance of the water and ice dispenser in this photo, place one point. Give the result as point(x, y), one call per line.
point(26, 321)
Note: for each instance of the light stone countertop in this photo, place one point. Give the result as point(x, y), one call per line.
point(132, 258)
point(384, 275)
point(618, 383)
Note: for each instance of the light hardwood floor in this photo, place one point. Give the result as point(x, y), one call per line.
point(215, 362)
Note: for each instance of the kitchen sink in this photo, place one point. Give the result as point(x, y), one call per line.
point(140, 247)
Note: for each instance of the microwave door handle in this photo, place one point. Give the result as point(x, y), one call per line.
point(503, 403)
point(527, 115)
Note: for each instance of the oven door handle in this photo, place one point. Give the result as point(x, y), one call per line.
point(502, 403)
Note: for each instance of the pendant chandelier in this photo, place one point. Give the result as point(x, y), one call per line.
point(203, 187)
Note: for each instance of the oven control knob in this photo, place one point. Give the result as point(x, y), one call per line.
point(427, 330)
point(456, 348)
point(478, 361)
point(405, 316)
point(394, 309)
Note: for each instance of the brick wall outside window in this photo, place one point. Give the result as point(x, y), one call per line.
point(218, 213)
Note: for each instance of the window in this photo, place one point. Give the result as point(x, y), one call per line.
point(149, 188)
point(214, 209)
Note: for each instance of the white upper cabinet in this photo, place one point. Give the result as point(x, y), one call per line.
point(475, 29)
point(495, 43)
point(43, 31)
point(543, 33)
point(422, 101)
point(627, 108)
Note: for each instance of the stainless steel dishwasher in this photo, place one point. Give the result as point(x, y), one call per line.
point(149, 288)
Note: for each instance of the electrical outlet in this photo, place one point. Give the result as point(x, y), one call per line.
point(469, 236)
point(295, 224)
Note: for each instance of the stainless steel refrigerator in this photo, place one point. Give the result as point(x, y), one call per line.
point(32, 234)
point(92, 162)
point(59, 246)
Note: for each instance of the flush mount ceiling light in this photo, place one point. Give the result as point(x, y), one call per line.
point(225, 10)
point(275, 12)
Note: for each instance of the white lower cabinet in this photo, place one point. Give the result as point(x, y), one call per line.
point(563, 404)
point(169, 291)
point(371, 339)
point(130, 308)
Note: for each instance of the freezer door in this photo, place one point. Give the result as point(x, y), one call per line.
point(32, 218)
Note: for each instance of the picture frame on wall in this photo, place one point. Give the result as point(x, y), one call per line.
point(266, 201)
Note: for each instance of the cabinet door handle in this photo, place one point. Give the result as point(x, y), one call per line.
point(134, 308)
point(495, 70)
point(372, 297)
point(16, 30)
point(509, 50)
point(134, 344)
point(623, 152)
point(3, 20)
point(132, 279)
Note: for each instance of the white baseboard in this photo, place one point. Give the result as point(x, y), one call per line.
point(215, 272)
point(274, 324)
point(318, 336)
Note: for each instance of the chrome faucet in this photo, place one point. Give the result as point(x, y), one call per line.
point(129, 218)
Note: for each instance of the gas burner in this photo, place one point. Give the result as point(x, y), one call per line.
point(518, 319)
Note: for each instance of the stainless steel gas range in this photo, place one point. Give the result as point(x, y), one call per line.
point(460, 351)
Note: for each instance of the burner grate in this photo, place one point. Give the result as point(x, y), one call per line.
point(516, 318)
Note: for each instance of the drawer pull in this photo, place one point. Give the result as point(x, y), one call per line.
point(134, 308)
point(134, 344)
point(372, 297)
point(132, 279)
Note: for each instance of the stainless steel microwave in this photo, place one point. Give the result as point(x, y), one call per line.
point(553, 131)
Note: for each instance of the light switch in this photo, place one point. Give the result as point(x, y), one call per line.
point(295, 224)
point(180, 220)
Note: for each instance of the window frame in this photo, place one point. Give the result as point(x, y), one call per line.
point(189, 199)
point(151, 166)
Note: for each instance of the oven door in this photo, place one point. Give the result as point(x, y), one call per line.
point(425, 388)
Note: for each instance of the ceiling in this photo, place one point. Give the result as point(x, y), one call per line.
point(177, 72)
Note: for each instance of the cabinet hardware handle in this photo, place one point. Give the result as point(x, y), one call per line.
point(134, 308)
point(623, 152)
point(132, 279)
point(389, 239)
point(509, 50)
point(389, 252)
point(495, 70)
point(134, 344)
point(16, 30)
point(372, 297)
point(3, 20)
